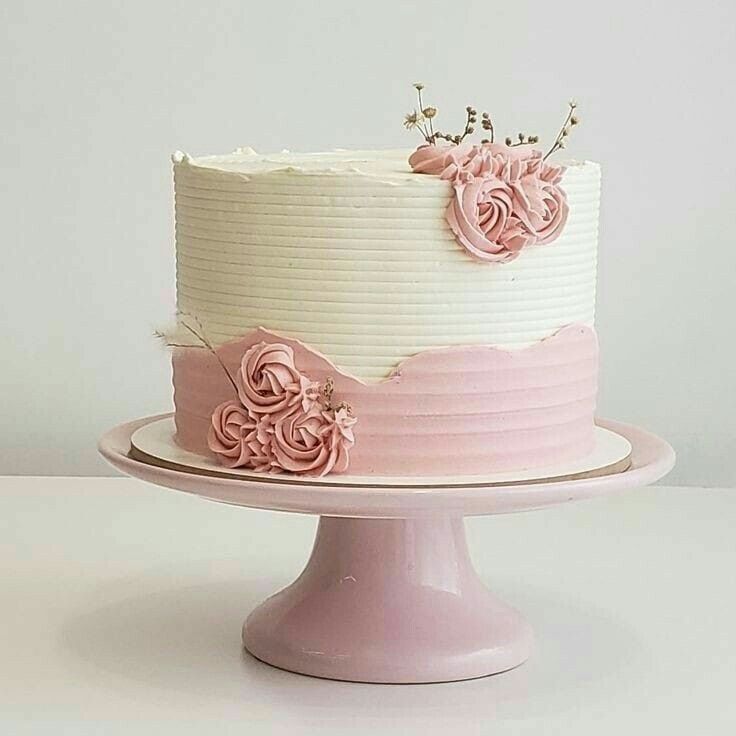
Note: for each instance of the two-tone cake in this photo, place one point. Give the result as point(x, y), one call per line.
point(400, 312)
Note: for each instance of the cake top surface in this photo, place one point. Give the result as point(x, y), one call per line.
point(388, 164)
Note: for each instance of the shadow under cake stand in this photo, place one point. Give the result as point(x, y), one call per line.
point(389, 594)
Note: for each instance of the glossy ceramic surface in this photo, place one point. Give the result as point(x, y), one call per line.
point(389, 593)
point(392, 601)
point(651, 458)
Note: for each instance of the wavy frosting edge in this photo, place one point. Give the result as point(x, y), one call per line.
point(462, 409)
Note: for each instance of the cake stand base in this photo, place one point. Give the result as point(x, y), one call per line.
point(391, 601)
point(389, 593)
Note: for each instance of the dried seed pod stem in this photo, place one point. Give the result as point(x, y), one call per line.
point(523, 140)
point(487, 124)
point(428, 129)
point(199, 333)
point(570, 120)
point(422, 120)
point(327, 390)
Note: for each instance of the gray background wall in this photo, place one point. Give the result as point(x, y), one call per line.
point(96, 95)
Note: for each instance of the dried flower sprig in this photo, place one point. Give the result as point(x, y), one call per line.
point(570, 121)
point(328, 389)
point(522, 140)
point(422, 119)
point(199, 333)
point(487, 124)
point(412, 120)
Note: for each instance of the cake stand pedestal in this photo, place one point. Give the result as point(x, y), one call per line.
point(389, 593)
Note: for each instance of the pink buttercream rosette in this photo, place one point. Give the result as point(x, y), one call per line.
point(282, 421)
point(503, 198)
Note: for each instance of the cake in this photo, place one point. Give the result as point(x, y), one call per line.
point(423, 312)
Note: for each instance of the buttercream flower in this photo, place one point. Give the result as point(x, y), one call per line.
point(263, 459)
point(283, 421)
point(480, 214)
point(232, 435)
point(505, 199)
point(541, 207)
point(337, 433)
point(269, 382)
point(313, 443)
point(441, 159)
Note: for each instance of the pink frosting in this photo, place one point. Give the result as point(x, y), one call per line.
point(315, 443)
point(442, 159)
point(231, 435)
point(281, 422)
point(269, 383)
point(459, 410)
point(503, 198)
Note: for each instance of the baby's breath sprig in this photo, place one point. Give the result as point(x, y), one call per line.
point(422, 119)
point(427, 113)
point(570, 121)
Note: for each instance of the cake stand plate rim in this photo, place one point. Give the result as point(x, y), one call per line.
point(651, 458)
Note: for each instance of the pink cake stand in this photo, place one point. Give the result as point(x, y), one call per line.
point(389, 593)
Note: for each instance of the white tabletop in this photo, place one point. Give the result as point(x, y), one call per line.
point(121, 606)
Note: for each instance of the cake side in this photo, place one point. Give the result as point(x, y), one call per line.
point(351, 253)
point(308, 274)
point(459, 410)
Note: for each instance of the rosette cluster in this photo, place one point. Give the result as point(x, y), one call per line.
point(504, 198)
point(282, 421)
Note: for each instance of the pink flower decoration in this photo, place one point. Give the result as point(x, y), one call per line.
point(233, 436)
point(442, 159)
point(337, 434)
point(313, 443)
point(503, 198)
point(283, 421)
point(269, 383)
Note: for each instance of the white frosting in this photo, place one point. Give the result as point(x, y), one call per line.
point(351, 253)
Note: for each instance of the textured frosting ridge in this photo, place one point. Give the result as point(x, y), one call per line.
point(351, 253)
point(464, 410)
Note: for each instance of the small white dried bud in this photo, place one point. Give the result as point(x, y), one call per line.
point(412, 119)
point(418, 86)
point(429, 112)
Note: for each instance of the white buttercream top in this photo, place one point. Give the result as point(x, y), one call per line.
point(350, 252)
